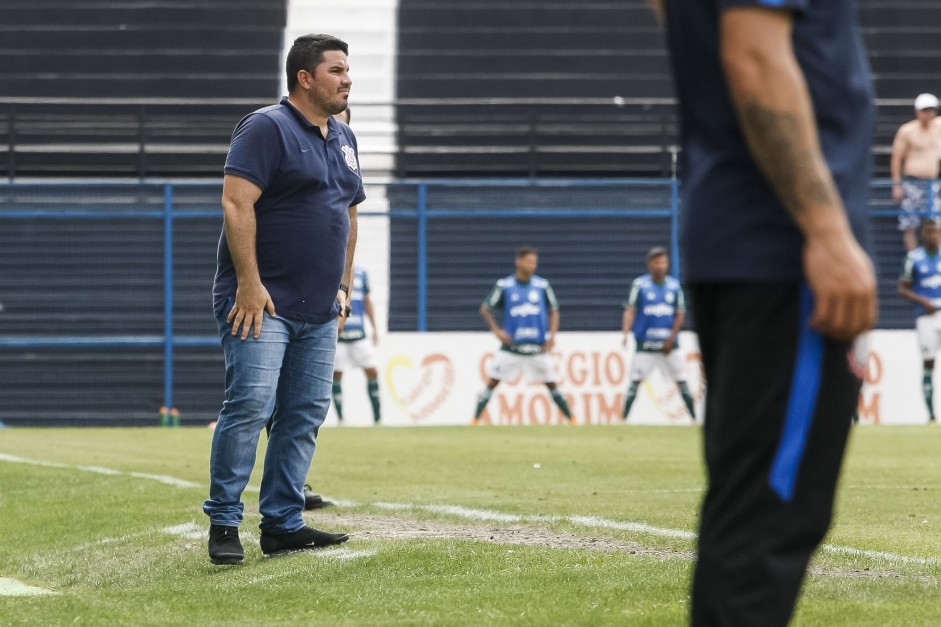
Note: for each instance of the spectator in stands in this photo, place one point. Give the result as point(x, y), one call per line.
point(915, 154)
point(780, 286)
point(355, 348)
point(920, 283)
point(654, 311)
point(527, 335)
point(285, 262)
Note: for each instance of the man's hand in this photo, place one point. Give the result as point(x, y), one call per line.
point(251, 302)
point(668, 346)
point(344, 310)
point(843, 283)
point(929, 307)
point(549, 345)
point(503, 336)
point(898, 194)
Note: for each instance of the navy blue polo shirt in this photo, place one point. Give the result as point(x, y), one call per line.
point(734, 227)
point(302, 215)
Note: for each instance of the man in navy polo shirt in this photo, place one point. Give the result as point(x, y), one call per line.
point(285, 260)
point(776, 121)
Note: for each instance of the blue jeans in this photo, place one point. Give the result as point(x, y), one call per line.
point(287, 374)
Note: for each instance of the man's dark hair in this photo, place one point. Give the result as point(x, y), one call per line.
point(307, 53)
point(522, 251)
point(656, 251)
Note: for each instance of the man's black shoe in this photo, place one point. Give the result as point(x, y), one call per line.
point(300, 540)
point(224, 545)
point(314, 501)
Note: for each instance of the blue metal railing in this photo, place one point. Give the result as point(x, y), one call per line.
point(175, 208)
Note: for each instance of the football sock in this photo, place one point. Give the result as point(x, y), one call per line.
point(482, 401)
point(338, 400)
point(559, 400)
point(928, 389)
point(687, 398)
point(631, 395)
point(373, 386)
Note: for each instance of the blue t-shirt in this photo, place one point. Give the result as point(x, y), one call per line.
point(302, 217)
point(355, 327)
point(526, 309)
point(734, 226)
point(655, 306)
point(923, 271)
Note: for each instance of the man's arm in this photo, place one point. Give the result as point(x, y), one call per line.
point(627, 323)
point(251, 298)
point(554, 319)
point(343, 297)
point(487, 314)
point(899, 151)
point(370, 313)
point(905, 291)
point(775, 112)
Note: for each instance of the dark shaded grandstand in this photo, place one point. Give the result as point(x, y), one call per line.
point(140, 89)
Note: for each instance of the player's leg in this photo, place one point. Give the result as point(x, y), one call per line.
point(363, 355)
point(484, 397)
point(541, 368)
point(642, 364)
point(676, 367)
point(926, 330)
point(773, 446)
point(372, 388)
point(341, 362)
point(505, 365)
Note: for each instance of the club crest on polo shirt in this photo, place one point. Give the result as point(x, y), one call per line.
point(349, 155)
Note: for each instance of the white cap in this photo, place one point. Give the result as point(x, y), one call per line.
point(925, 101)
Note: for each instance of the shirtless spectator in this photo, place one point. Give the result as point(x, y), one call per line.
point(915, 154)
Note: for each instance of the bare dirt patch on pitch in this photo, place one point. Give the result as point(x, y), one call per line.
point(386, 527)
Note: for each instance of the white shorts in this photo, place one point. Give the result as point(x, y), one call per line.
point(672, 365)
point(358, 354)
point(928, 330)
point(507, 365)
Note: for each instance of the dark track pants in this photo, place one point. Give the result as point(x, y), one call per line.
point(779, 403)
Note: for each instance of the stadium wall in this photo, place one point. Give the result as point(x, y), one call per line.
point(434, 379)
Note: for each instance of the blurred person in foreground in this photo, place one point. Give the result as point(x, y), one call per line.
point(777, 113)
point(285, 260)
point(914, 166)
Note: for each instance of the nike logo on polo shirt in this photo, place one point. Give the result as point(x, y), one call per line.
point(305, 149)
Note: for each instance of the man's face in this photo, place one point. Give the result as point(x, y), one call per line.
point(330, 84)
point(930, 235)
point(926, 115)
point(526, 265)
point(659, 266)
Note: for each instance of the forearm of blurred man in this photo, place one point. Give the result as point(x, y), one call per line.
point(770, 95)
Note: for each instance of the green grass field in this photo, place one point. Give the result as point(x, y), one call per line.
point(450, 526)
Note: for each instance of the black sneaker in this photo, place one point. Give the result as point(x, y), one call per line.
point(314, 501)
point(303, 539)
point(224, 545)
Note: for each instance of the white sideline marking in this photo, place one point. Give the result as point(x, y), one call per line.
point(881, 555)
point(180, 483)
point(190, 531)
point(343, 554)
point(663, 532)
point(14, 588)
point(635, 527)
point(472, 514)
